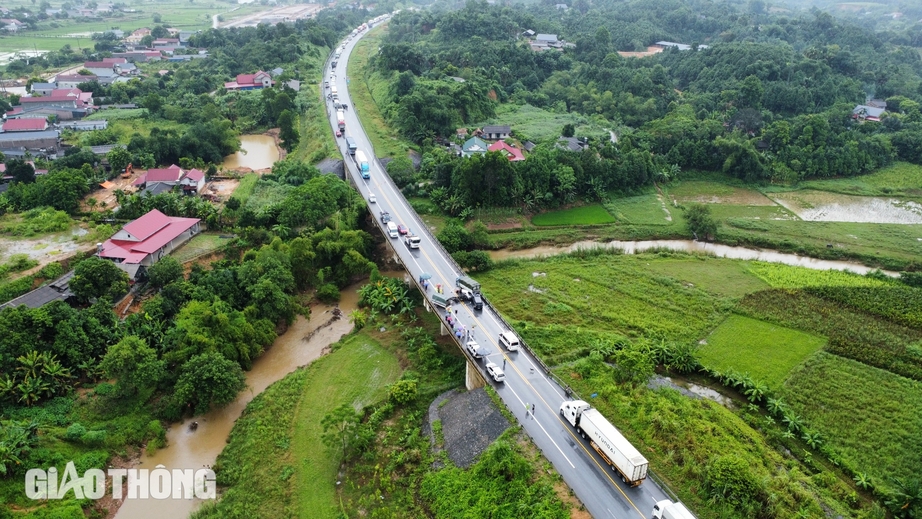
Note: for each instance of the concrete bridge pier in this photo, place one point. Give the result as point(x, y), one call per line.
point(444, 329)
point(472, 377)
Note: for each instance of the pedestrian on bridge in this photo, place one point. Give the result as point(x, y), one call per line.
point(533, 410)
point(527, 409)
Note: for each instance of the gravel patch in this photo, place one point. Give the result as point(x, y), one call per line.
point(333, 166)
point(470, 423)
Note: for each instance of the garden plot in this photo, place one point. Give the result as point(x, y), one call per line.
point(821, 206)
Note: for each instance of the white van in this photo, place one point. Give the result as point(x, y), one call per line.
point(392, 230)
point(509, 341)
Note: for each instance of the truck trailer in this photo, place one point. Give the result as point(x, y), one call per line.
point(614, 448)
point(341, 119)
point(362, 163)
point(666, 509)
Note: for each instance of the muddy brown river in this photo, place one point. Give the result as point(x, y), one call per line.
point(716, 249)
point(304, 342)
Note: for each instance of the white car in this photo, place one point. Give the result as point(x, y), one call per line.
point(496, 372)
point(477, 351)
point(371, 198)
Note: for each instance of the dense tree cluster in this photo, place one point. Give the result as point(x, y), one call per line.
point(771, 97)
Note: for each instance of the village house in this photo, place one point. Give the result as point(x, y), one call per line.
point(145, 241)
point(250, 81)
point(12, 25)
point(72, 80)
point(15, 144)
point(42, 89)
point(59, 98)
point(138, 35)
point(868, 113)
point(105, 68)
point(25, 125)
point(496, 132)
point(473, 146)
point(157, 181)
point(512, 153)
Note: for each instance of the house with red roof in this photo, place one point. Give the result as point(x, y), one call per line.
point(250, 81)
point(25, 125)
point(100, 68)
point(512, 153)
point(143, 242)
point(157, 181)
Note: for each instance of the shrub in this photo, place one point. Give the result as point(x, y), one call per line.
point(75, 432)
point(728, 477)
point(328, 293)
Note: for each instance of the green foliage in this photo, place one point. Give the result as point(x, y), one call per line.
point(403, 391)
point(208, 381)
point(288, 134)
point(95, 278)
point(16, 263)
point(135, 366)
point(500, 484)
point(40, 221)
point(847, 410)
point(783, 276)
point(729, 478)
point(455, 237)
point(328, 293)
point(475, 260)
point(700, 222)
point(164, 272)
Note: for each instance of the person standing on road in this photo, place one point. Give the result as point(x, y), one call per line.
point(527, 409)
point(532, 410)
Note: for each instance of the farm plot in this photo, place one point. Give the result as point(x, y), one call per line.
point(766, 351)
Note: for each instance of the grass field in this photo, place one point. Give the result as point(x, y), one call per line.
point(719, 276)
point(646, 209)
point(869, 417)
point(267, 193)
point(766, 351)
point(593, 214)
point(368, 92)
point(537, 124)
point(333, 383)
point(245, 188)
point(199, 245)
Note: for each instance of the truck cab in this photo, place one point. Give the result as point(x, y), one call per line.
point(666, 509)
point(469, 290)
point(412, 241)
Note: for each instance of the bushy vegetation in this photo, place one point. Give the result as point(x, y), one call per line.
point(585, 215)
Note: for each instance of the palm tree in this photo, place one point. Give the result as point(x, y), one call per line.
point(31, 390)
point(862, 480)
point(776, 406)
point(31, 363)
point(281, 230)
point(59, 374)
point(906, 498)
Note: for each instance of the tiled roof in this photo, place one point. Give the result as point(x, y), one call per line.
point(24, 125)
point(157, 230)
point(513, 154)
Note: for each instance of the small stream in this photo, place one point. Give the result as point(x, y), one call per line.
point(715, 249)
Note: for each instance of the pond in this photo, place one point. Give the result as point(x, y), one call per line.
point(256, 152)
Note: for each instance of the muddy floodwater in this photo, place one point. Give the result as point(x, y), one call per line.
point(304, 341)
point(256, 152)
point(714, 249)
point(821, 206)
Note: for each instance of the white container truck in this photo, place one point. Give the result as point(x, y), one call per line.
point(666, 509)
point(614, 448)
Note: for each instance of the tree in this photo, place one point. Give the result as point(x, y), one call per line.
point(568, 130)
point(164, 272)
point(339, 427)
point(95, 278)
point(700, 222)
point(401, 171)
point(118, 158)
point(209, 380)
point(135, 365)
point(21, 171)
point(288, 134)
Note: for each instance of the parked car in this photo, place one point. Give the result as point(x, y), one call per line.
point(477, 351)
point(372, 198)
point(402, 229)
point(496, 372)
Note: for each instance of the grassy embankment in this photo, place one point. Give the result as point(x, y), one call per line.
point(369, 91)
point(748, 216)
point(575, 305)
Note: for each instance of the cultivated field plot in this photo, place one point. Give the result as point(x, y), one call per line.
point(593, 214)
point(855, 406)
point(823, 206)
point(719, 276)
point(199, 245)
point(649, 209)
point(539, 124)
point(766, 351)
point(784, 276)
point(710, 192)
point(900, 179)
point(606, 293)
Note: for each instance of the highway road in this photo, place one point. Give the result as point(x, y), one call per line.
point(594, 483)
